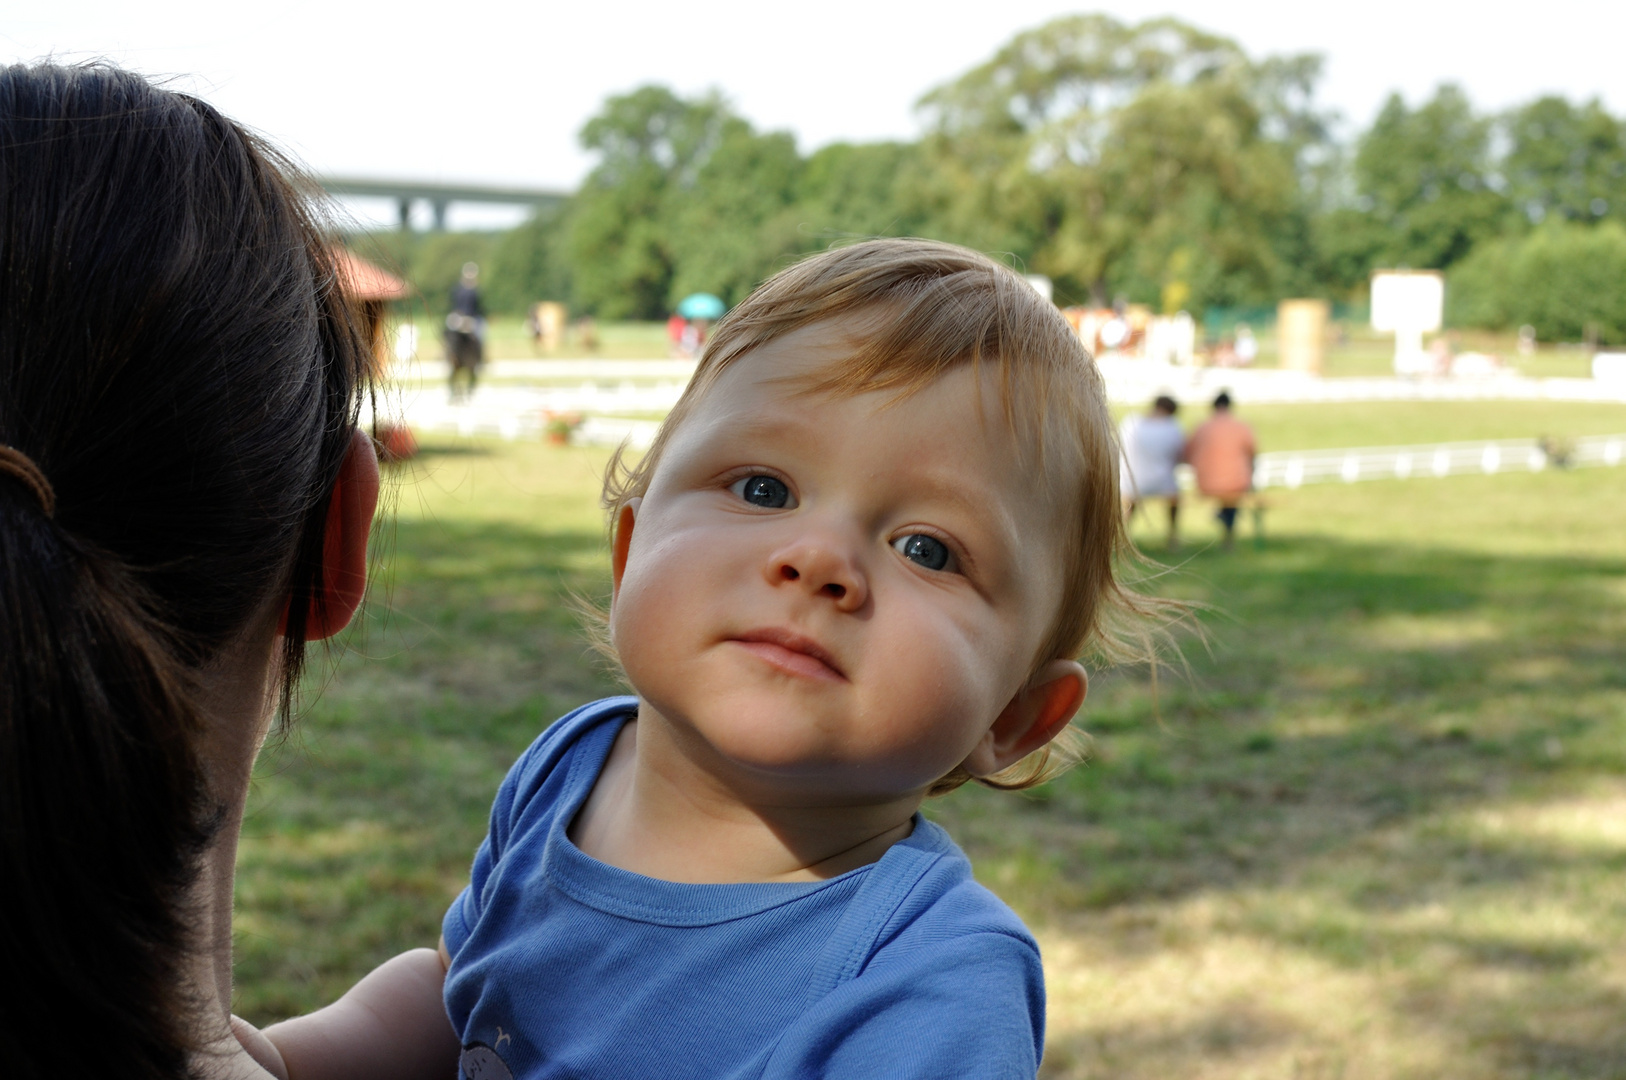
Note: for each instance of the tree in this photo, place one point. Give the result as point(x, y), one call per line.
point(1563, 279)
point(1065, 77)
point(529, 264)
point(1565, 161)
point(1196, 201)
point(1426, 181)
point(1346, 245)
point(617, 243)
point(1014, 141)
point(857, 190)
point(1154, 159)
point(686, 197)
point(729, 225)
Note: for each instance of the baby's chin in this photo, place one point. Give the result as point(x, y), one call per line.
point(784, 755)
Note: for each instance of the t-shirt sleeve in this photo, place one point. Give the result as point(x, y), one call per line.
point(969, 1006)
point(465, 910)
point(525, 778)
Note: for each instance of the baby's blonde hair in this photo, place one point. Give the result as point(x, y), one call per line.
point(930, 307)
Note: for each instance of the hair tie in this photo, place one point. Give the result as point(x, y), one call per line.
point(20, 467)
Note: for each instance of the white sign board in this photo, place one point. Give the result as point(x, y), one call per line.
point(1609, 366)
point(1407, 301)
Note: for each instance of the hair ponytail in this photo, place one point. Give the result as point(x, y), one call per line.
point(94, 717)
point(179, 368)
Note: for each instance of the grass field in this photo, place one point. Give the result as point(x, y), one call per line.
point(1379, 832)
point(507, 339)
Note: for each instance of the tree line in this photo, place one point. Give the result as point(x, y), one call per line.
point(1151, 162)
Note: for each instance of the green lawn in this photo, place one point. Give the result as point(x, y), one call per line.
point(507, 339)
point(1380, 830)
point(1326, 426)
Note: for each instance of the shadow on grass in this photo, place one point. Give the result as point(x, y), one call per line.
point(1383, 683)
point(1329, 761)
point(1231, 1032)
point(429, 449)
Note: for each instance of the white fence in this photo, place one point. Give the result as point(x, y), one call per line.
point(521, 412)
point(516, 397)
point(1295, 468)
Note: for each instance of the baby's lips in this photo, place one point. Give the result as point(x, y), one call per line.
point(792, 652)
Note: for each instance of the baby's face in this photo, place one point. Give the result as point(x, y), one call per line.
point(837, 594)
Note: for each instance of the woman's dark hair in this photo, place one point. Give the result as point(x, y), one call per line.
point(178, 362)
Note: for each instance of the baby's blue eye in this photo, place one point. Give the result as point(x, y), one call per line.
point(927, 551)
point(759, 490)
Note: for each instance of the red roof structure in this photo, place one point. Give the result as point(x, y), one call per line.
point(368, 289)
point(363, 281)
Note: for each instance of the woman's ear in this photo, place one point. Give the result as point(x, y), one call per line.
point(621, 542)
point(344, 544)
point(1038, 713)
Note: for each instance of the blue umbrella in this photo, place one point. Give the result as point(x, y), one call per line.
point(701, 305)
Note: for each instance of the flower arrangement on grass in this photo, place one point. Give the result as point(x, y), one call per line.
point(558, 427)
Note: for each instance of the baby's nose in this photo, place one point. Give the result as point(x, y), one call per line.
point(833, 589)
point(821, 567)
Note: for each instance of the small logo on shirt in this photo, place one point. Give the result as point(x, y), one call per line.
point(480, 1062)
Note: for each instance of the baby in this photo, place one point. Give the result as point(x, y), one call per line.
point(856, 569)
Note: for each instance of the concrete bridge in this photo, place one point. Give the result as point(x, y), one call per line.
point(438, 196)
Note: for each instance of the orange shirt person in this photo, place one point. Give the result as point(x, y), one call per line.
point(1221, 451)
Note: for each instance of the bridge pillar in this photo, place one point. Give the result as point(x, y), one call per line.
point(439, 206)
point(405, 208)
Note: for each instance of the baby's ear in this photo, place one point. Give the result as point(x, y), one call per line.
point(1038, 713)
point(621, 541)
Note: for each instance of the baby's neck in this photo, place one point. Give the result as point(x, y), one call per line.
point(656, 813)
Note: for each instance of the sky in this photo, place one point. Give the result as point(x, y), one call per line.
point(487, 92)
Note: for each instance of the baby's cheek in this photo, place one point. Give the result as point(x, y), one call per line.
point(942, 706)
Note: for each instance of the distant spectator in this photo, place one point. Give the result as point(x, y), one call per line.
point(465, 334)
point(550, 318)
point(1440, 353)
point(1247, 346)
point(533, 327)
point(587, 333)
point(466, 293)
point(1152, 447)
point(1221, 451)
point(693, 334)
point(675, 326)
point(1527, 340)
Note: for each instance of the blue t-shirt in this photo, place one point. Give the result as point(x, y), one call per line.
point(564, 966)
